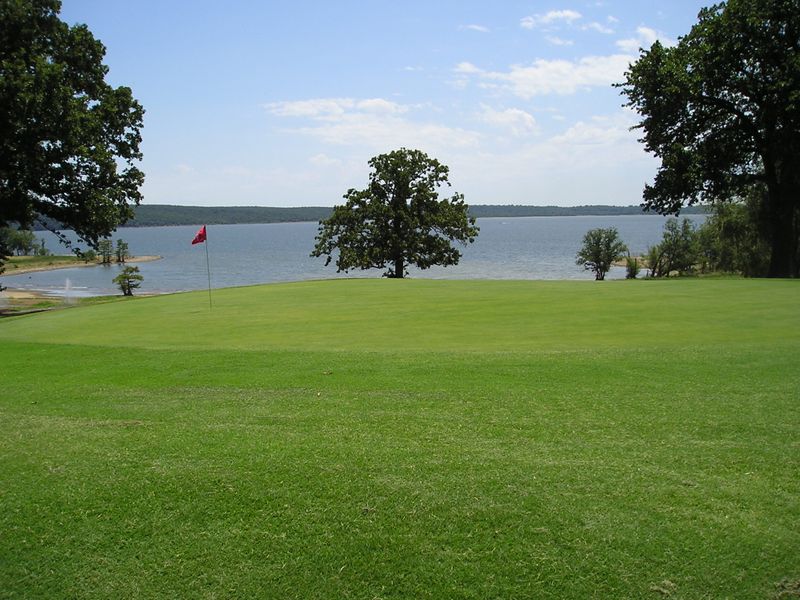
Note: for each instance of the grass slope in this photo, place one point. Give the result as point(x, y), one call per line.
point(406, 439)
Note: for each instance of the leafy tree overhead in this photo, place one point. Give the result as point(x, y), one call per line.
point(69, 141)
point(398, 219)
point(722, 112)
point(601, 249)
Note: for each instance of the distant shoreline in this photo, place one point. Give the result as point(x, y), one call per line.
point(165, 215)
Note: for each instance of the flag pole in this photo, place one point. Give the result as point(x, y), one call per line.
point(208, 270)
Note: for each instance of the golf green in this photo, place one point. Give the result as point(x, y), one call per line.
point(406, 439)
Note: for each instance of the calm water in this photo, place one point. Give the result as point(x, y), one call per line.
point(515, 248)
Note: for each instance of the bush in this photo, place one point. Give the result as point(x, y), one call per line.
point(678, 250)
point(632, 267)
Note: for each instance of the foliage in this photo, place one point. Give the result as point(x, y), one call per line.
point(68, 139)
point(601, 249)
point(17, 241)
point(128, 280)
point(655, 261)
point(106, 250)
point(678, 252)
point(122, 251)
point(721, 109)
point(88, 256)
point(632, 267)
point(398, 220)
point(732, 238)
point(679, 246)
point(406, 456)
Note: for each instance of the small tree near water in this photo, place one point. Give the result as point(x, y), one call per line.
point(128, 280)
point(122, 251)
point(601, 249)
point(106, 250)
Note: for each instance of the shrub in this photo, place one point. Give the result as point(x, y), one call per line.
point(632, 267)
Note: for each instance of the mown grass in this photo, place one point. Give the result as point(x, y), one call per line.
point(413, 439)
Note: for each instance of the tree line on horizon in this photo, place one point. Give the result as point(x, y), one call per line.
point(158, 215)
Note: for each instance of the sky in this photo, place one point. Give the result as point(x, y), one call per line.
point(283, 103)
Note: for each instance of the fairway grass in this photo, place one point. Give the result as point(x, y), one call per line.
point(406, 439)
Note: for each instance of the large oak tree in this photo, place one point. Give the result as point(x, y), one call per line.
point(398, 219)
point(69, 141)
point(721, 109)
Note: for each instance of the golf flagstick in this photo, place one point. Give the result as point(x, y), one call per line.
point(201, 237)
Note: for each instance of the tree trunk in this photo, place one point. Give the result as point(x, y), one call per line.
point(783, 232)
point(399, 267)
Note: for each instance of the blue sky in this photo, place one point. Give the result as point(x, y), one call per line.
point(281, 103)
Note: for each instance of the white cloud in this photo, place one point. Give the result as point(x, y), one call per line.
point(612, 19)
point(598, 131)
point(599, 27)
point(317, 107)
point(645, 37)
point(561, 77)
point(385, 133)
point(479, 28)
point(380, 106)
point(581, 164)
point(184, 169)
point(375, 123)
point(553, 16)
point(467, 68)
point(557, 41)
point(333, 108)
point(518, 122)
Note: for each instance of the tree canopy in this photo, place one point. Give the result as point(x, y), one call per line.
point(69, 141)
point(721, 109)
point(398, 219)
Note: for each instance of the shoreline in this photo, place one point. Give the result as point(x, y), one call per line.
point(55, 267)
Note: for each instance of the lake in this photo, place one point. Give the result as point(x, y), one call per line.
point(507, 248)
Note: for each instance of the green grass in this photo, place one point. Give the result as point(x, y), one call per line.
point(14, 263)
point(406, 439)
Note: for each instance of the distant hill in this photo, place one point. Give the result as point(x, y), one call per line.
point(514, 210)
point(155, 215)
point(149, 215)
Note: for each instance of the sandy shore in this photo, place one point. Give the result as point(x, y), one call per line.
point(13, 294)
point(21, 270)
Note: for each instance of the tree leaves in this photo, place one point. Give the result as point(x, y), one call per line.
point(68, 140)
point(722, 112)
point(398, 219)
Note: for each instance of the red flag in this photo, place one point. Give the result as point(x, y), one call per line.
point(200, 237)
